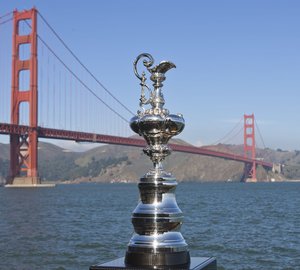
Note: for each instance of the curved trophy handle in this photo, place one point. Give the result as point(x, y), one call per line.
point(146, 63)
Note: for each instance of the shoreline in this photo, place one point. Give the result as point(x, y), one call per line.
point(70, 182)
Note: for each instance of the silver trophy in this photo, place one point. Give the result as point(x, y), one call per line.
point(157, 241)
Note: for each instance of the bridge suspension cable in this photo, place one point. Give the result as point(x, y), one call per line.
point(77, 77)
point(226, 137)
point(234, 136)
point(6, 15)
point(6, 21)
point(79, 80)
point(83, 65)
point(259, 133)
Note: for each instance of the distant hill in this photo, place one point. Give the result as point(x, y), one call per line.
point(122, 163)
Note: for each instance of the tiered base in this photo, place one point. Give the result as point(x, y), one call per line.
point(197, 263)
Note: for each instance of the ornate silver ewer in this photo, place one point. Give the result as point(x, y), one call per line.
point(157, 241)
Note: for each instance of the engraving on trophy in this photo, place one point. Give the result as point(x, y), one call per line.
point(157, 241)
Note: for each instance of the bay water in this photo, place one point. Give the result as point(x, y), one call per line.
point(245, 226)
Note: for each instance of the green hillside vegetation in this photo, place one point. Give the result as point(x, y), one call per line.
point(122, 163)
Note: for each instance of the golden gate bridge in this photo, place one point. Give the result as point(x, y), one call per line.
point(49, 99)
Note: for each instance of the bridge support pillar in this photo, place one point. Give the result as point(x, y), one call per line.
point(277, 168)
point(249, 148)
point(23, 148)
point(249, 172)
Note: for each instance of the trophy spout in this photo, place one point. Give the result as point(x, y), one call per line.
point(163, 67)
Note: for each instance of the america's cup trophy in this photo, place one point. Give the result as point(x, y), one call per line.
point(157, 241)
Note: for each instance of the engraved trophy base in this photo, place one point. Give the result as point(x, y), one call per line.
point(197, 263)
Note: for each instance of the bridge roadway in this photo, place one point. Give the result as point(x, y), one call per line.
point(78, 136)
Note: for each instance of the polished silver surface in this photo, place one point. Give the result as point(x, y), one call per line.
point(157, 219)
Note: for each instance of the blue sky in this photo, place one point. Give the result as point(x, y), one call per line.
point(232, 57)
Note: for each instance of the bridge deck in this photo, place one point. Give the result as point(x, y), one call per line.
point(78, 136)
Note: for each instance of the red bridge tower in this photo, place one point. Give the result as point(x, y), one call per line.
point(249, 148)
point(23, 149)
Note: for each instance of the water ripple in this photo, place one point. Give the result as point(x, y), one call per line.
point(245, 226)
